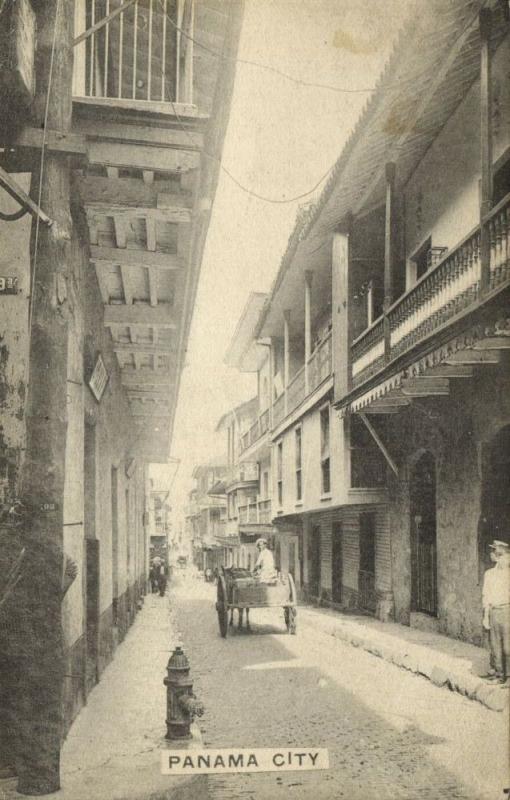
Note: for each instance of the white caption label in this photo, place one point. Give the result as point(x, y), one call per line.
point(186, 762)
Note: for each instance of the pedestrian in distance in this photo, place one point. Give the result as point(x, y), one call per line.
point(153, 578)
point(162, 578)
point(496, 611)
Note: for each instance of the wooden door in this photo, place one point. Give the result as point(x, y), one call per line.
point(423, 536)
point(366, 575)
point(92, 612)
point(337, 562)
point(314, 561)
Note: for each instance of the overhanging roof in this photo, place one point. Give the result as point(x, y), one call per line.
point(244, 353)
point(435, 61)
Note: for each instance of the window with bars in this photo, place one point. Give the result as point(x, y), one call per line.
point(279, 472)
point(142, 53)
point(299, 472)
point(325, 454)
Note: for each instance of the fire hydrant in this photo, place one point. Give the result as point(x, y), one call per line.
point(181, 704)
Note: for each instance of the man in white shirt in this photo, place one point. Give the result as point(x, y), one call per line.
point(496, 610)
point(264, 568)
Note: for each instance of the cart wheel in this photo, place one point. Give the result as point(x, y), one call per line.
point(222, 607)
point(293, 622)
point(292, 626)
point(286, 614)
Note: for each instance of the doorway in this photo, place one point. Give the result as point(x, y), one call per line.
point(423, 536)
point(92, 569)
point(314, 561)
point(336, 563)
point(366, 573)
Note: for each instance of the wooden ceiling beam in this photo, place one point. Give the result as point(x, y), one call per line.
point(145, 376)
point(474, 357)
point(150, 226)
point(120, 225)
point(493, 343)
point(425, 387)
point(142, 156)
point(156, 413)
point(450, 371)
point(131, 191)
point(169, 213)
point(153, 285)
point(148, 349)
point(136, 258)
point(139, 314)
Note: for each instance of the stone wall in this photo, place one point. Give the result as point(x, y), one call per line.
point(456, 430)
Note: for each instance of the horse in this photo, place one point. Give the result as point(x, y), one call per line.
point(231, 573)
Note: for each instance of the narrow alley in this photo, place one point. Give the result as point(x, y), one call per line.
point(389, 732)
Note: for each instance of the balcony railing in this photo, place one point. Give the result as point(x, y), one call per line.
point(244, 473)
point(258, 429)
point(264, 507)
point(255, 512)
point(319, 368)
point(319, 364)
point(450, 287)
point(139, 54)
point(296, 390)
point(248, 513)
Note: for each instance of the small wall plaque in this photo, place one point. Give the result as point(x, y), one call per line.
point(98, 379)
point(8, 284)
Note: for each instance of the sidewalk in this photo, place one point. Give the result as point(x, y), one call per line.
point(112, 751)
point(446, 662)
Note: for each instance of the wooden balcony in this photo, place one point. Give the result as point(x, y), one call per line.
point(255, 512)
point(318, 369)
point(447, 291)
point(243, 473)
point(259, 428)
point(140, 55)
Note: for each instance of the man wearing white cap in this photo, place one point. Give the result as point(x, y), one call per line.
point(496, 610)
point(264, 567)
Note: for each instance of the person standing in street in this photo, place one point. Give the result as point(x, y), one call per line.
point(496, 611)
point(264, 568)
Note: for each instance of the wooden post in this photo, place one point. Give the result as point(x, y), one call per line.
point(271, 381)
point(389, 253)
point(485, 21)
point(46, 416)
point(286, 355)
point(342, 311)
point(308, 326)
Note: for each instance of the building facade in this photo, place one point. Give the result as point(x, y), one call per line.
point(139, 160)
point(382, 348)
point(206, 515)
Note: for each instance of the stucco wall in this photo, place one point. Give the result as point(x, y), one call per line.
point(455, 430)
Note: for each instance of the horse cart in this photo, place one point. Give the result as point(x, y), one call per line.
point(238, 589)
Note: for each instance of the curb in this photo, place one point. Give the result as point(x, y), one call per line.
point(421, 661)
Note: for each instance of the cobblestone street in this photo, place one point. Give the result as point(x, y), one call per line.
point(390, 734)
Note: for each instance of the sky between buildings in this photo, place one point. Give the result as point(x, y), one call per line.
point(282, 138)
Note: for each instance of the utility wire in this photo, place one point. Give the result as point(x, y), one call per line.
point(236, 181)
point(267, 67)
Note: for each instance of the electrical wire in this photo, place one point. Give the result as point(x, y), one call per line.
point(225, 170)
point(236, 181)
point(267, 67)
